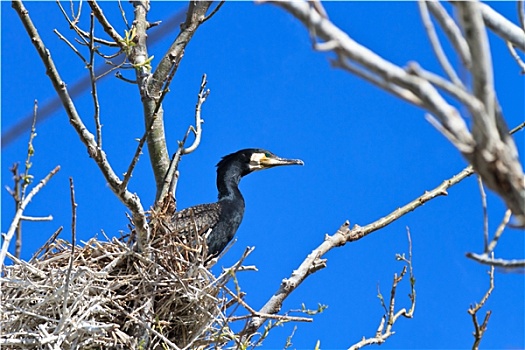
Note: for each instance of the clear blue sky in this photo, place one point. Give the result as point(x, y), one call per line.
point(365, 152)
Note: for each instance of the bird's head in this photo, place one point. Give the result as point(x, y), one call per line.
point(253, 159)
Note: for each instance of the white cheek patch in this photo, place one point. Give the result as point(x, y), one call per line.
point(255, 161)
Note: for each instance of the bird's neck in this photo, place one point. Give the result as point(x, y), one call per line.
point(228, 184)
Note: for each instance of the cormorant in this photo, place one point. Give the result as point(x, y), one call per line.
point(221, 220)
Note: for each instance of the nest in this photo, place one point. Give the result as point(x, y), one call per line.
point(106, 295)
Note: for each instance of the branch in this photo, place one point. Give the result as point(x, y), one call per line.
point(340, 238)
point(516, 57)
point(65, 312)
point(344, 235)
point(197, 131)
point(503, 263)
point(496, 157)
point(504, 28)
point(391, 317)
point(479, 331)
point(16, 219)
point(168, 184)
point(130, 200)
point(108, 28)
point(487, 258)
point(452, 31)
point(488, 148)
point(93, 79)
point(436, 45)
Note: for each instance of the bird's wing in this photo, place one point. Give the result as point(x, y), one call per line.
point(198, 219)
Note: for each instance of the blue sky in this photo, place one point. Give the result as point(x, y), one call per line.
point(365, 152)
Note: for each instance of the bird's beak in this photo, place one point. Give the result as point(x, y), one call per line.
point(276, 161)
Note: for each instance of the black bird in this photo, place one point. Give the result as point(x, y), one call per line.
point(220, 220)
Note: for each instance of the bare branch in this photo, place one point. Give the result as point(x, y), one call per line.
point(479, 331)
point(93, 79)
point(46, 245)
point(16, 219)
point(215, 10)
point(452, 31)
point(123, 14)
point(485, 214)
point(488, 148)
point(391, 317)
point(22, 181)
point(490, 248)
point(503, 263)
point(483, 78)
point(169, 182)
point(197, 131)
point(516, 57)
point(71, 46)
point(36, 219)
point(108, 28)
point(504, 28)
point(402, 93)
point(521, 14)
point(436, 45)
point(65, 311)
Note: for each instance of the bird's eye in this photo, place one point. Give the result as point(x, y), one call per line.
point(267, 154)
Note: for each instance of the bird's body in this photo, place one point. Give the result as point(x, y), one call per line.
point(220, 220)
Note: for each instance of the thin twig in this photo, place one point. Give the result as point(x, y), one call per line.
point(452, 31)
point(197, 131)
point(72, 24)
point(71, 46)
point(36, 219)
point(93, 79)
point(436, 45)
point(214, 11)
point(521, 14)
point(485, 214)
point(73, 243)
point(254, 313)
point(108, 28)
point(479, 331)
point(516, 57)
point(513, 264)
point(21, 182)
point(123, 14)
point(135, 159)
point(46, 245)
point(170, 180)
point(490, 248)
